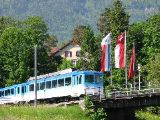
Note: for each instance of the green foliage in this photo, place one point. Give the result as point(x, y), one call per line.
point(14, 53)
point(153, 68)
point(136, 35)
point(152, 34)
point(99, 114)
point(154, 110)
point(141, 115)
point(146, 37)
point(6, 22)
point(90, 48)
point(17, 41)
point(65, 64)
point(42, 112)
point(114, 19)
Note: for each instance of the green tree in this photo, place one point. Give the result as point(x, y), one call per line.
point(65, 64)
point(153, 69)
point(90, 48)
point(151, 42)
point(36, 31)
point(114, 19)
point(17, 50)
point(6, 22)
point(50, 42)
point(15, 53)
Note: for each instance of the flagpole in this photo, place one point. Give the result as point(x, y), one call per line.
point(125, 62)
point(134, 67)
point(111, 65)
point(111, 62)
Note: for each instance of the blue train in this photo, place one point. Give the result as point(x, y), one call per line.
point(62, 84)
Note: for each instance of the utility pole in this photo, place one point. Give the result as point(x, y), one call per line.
point(35, 74)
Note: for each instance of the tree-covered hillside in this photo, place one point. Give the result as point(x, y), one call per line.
point(62, 16)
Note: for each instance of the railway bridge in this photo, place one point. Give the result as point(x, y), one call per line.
point(121, 105)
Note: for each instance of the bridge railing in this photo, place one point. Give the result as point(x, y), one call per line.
point(133, 93)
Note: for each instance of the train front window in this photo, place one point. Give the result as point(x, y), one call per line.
point(89, 78)
point(98, 78)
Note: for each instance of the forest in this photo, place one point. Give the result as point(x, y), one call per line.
point(62, 16)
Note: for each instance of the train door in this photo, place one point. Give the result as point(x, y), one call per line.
point(77, 85)
point(67, 84)
point(42, 90)
point(18, 93)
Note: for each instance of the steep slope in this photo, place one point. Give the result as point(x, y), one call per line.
point(63, 15)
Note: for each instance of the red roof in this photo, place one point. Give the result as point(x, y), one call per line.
point(54, 50)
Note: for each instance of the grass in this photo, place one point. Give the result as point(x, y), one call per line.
point(41, 113)
point(142, 115)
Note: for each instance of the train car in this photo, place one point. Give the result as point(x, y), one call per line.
point(63, 84)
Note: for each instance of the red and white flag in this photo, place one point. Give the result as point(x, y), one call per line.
point(131, 71)
point(120, 51)
point(106, 53)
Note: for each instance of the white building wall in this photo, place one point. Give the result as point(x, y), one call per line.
point(72, 48)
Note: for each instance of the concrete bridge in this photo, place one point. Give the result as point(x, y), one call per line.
point(121, 105)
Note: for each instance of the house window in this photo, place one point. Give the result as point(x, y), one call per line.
point(68, 54)
point(78, 54)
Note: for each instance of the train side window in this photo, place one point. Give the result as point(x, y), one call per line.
point(67, 81)
point(89, 78)
point(31, 87)
point(48, 84)
point(80, 79)
point(74, 80)
point(42, 85)
point(37, 86)
point(54, 83)
point(12, 91)
point(18, 90)
point(6, 93)
point(2, 93)
point(60, 82)
point(98, 79)
point(25, 88)
point(22, 89)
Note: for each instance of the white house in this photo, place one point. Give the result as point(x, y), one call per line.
point(70, 51)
